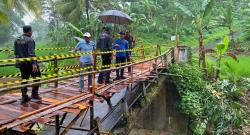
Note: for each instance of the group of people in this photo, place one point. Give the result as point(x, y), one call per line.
point(104, 44)
point(24, 47)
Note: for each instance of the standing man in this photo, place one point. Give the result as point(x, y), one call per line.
point(86, 60)
point(24, 47)
point(104, 43)
point(131, 44)
point(121, 44)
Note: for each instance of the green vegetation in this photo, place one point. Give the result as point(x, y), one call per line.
point(212, 108)
point(211, 100)
point(240, 69)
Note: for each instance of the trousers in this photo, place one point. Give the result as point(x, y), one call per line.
point(120, 72)
point(106, 60)
point(26, 72)
point(81, 82)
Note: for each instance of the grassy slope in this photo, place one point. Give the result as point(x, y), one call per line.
point(241, 69)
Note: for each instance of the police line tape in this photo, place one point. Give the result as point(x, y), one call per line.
point(40, 49)
point(59, 74)
point(65, 55)
point(42, 70)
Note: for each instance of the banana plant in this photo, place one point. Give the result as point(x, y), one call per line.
point(221, 51)
point(77, 30)
point(226, 20)
point(198, 16)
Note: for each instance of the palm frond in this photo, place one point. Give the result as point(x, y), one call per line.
point(208, 6)
point(79, 32)
point(3, 18)
point(33, 6)
point(184, 9)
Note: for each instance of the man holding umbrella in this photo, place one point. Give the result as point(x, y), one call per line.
point(104, 43)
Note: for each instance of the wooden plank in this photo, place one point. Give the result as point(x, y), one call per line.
point(43, 120)
point(74, 111)
point(21, 129)
point(45, 112)
point(50, 106)
point(11, 109)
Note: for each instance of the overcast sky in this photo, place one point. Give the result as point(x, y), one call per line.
point(28, 18)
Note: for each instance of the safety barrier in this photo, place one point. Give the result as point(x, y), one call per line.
point(8, 88)
point(56, 69)
point(59, 57)
point(42, 70)
point(40, 49)
point(59, 74)
point(63, 56)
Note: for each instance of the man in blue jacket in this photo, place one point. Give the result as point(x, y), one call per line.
point(86, 60)
point(121, 44)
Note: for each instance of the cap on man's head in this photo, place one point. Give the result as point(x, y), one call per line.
point(26, 28)
point(86, 34)
point(122, 33)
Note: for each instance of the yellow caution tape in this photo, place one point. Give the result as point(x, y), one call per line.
point(45, 57)
point(43, 70)
point(40, 49)
point(63, 56)
point(57, 74)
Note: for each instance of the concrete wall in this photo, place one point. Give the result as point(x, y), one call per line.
point(162, 115)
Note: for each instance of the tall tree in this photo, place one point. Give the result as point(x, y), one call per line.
point(201, 11)
point(24, 6)
point(74, 10)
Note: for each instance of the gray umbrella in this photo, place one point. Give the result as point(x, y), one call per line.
point(115, 16)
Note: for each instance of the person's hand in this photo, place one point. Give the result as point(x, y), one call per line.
point(34, 68)
point(79, 62)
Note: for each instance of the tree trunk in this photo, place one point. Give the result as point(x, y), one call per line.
point(217, 75)
point(87, 10)
point(202, 62)
point(231, 32)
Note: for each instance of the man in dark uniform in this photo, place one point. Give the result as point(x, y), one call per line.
point(131, 44)
point(24, 47)
point(104, 43)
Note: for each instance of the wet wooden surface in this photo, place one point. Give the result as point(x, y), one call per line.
point(11, 107)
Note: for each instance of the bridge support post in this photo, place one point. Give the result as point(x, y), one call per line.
point(56, 71)
point(97, 125)
point(144, 88)
point(166, 60)
point(57, 125)
point(91, 112)
point(173, 55)
point(125, 107)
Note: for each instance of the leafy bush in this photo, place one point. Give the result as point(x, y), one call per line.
point(213, 107)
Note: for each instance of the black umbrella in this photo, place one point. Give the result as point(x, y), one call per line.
point(115, 16)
